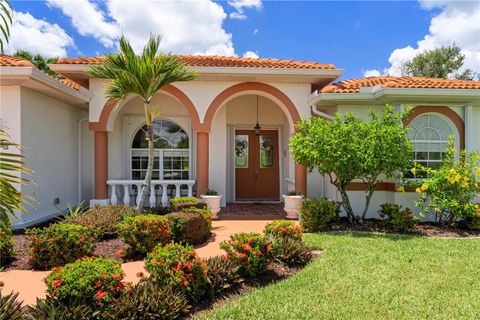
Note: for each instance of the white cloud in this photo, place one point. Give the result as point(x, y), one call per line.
point(455, 23)
point(371, 73)
point(241, 5)
point(37, 36)
point(255, 31)
point(250, 54)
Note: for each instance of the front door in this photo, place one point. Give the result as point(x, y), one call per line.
point(256, 165)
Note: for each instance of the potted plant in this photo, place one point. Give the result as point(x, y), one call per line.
point(212, 199)
point(292, 203)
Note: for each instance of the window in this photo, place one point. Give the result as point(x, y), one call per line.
point(172, 155)
point(429, 134)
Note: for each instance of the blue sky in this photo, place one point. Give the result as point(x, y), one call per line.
point(358, 36)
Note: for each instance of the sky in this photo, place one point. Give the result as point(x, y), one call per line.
point(365, 38)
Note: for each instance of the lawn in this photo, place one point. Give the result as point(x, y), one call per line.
point(367, 276)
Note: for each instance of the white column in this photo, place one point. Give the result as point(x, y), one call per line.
point(113, 198)
point(468, 118)
point(153, 197)
point(164, 194)
point(126, 195)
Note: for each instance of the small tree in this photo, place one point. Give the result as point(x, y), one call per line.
point(349, 148)
point(39, 61)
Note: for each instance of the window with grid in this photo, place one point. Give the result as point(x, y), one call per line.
point(429, 134)
point(172, 156)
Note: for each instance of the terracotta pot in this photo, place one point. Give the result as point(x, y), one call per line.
point(292, 205)
point(213, 203)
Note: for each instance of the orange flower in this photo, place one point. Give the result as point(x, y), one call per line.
point(100, 294)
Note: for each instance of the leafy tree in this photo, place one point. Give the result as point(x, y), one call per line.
point(141, 75)
point(5, 22)
point(438, 63)
point(349, 148)
point(39, 61)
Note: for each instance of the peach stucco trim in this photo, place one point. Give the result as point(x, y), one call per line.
point(101, 164)
point(446, 111)
point(202, 162)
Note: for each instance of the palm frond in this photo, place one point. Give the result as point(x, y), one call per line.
point(6, 15)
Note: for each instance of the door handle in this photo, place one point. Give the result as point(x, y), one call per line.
point(256, 174)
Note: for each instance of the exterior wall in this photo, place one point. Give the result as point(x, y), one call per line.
point(87, 169)
point(49, 139)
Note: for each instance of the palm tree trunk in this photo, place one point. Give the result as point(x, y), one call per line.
point(148, 176)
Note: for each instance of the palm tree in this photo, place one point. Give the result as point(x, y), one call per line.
point(5, 22)
point(141, 75)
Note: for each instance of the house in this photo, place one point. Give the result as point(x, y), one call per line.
point(83, 147)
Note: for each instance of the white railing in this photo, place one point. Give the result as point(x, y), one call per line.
point(121, 189)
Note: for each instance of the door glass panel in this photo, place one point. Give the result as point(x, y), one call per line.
point(266, 152)
point(241, 151)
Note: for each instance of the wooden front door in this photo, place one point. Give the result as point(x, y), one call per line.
point(256, 165)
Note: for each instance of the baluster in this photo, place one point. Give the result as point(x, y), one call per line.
point(126, 195)
point(177, 190)
point(164, 194)
point(113, 198)
point(190, 189)
point(139, 192)
point(153, 197)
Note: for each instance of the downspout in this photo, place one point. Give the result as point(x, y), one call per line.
point(319, 113)
point(79, 159)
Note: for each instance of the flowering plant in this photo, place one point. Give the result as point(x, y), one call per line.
point(251, 251)
point(448, 192)
point(177, 266)
point(284, 229)
point(97, 280)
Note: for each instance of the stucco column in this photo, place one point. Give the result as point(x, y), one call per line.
point(301, 179)
point(101, 164)
point(202, 162)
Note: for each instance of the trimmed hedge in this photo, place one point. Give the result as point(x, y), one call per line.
point(179, 204)
point(189, 227)
point(6, 245)
point(398, 219)
point(316, 214)
point(284, 229)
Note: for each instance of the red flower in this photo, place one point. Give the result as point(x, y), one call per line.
point(247, 247)
point(98, 284)
point(100, 294)
point(56, 283)
point(117, 276)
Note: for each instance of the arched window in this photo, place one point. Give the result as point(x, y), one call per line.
point(429, 134)
point(171, 152)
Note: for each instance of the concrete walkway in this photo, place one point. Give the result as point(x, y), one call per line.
point(30, 284)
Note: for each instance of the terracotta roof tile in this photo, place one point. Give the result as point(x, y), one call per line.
point(354, 85)
point(220, 61)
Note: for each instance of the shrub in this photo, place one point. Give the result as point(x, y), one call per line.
point(10, 307)
point(189, 227)
point(223, 273)
point(102, 220)
point(6, 245)
point(143, 232)
point(97, 280)
point(474, 222)
point(148, 300)
point(284, 229)
point(54, 309)
point(157, 210)
point(59, 244)
point(178, 204)
point(316, 214)
point(178, 266)
point(251, 251)
point(292, 252)
point(398, 219)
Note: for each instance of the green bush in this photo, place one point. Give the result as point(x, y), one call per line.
point(398, 219)
point(53, 309)
point(291, 252)
point(102, 220)
point(178, 204)
point(10, 307)
point(316, 214)
point(59, 244)
point(222, 273)
point(143, 232)
point(149, 301)
point(284, 229)
point(6, 245)
point(97, 280)
point(190, 227)
point(474, 222)
point(178, 266)
point(251, 251)
point(157, 210)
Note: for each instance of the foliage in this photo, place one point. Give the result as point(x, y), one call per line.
point(350, 147)
point(6, 12)
point(474, 222)
point(53, 309)
point(284, 229)
point(12, 168)
point(178, 266)
point(97, 280)
point(316, 214)
point(10, 307)
point(149, 301)
point(222, 273)
point(178, 204)
point(189, 227)
point(73, 212)
point(251, 251)
point(143, 232)
point(211, 192)
point(59, 244)
point(441, 62)
point(39, 61)
point(401, 220)
point(6, 245)
point(292, 252)
point(102, 221)
point(142, 75)
point(448, 192)
point(157, 210)
point(293, 193)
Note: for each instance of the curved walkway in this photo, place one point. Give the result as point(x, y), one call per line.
point(30, 283)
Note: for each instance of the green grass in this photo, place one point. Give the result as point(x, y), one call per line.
point(367, 276)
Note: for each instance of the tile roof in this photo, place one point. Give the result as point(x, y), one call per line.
point(9, 61)
point(220, 61)
point(354, 85)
